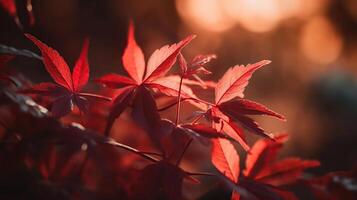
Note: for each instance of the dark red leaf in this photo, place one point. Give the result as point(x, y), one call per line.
point(236, 133)
point(45, 89)
point(4, 59)
point(264, 191)
point(173, 140)
point(82, 103)
point(62, 106)
point(252, 126)
point(204, 131)
point(121, 102)
point(115, 81)
point(54, 63)
point(80, 73)
point(246, 107)
point(263, 153)
point(159, 181)
point(231, 129)
point(234, 81)
point(235, 196)
point(133, 57)
point(145, 114)
point(284, 171)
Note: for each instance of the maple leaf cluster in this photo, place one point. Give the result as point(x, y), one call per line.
point(76, 163)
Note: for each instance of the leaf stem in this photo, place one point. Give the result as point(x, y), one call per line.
point(95, 96)
point(202, 174)
point(184, 151)
point(133, 150)
point(179, 103)
point(197, 119)
point(152, 153)
point(202, 101)
point(171, 105)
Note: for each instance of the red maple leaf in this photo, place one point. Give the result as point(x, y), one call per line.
point(67, 90)
point(142, 79)
point(175, 137)
point(263, 174)
point(229, 108)
point(195, 67)
point(160, 180)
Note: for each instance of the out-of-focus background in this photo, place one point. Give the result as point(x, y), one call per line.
point(312, 79)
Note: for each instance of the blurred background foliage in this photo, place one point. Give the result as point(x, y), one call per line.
point(312, 43)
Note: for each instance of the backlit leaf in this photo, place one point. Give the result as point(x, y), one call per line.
point(234, 81)
point(133, 57)
point(80, 73)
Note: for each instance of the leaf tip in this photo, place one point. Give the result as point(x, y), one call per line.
point(29, 36)
point(282, 118)
point(266, 62)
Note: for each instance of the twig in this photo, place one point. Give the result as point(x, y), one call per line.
point(179, 103)
point(202, 174)
point(95, 96)
point(133, 150)
point(184, 151)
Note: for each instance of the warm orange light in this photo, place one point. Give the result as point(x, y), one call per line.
point(254, 15)
point(320, 42)
point(206, 14)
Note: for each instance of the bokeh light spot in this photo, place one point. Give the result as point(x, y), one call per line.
point(206, 14)
point(320, 42)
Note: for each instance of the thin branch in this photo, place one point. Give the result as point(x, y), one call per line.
point(20, 52)
point(172, 104)
point(184, 151)
point(152, 153)
point(95, 96)
point(202, 174)
point(197, 119)
point(201, 101)
point(179, 103)
point(133, 150)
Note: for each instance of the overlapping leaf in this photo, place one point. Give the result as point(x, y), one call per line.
point(225, 158)
point(228, 109)
point(159, 181)
point(195, 67)
point(145, 77)
point(264, 174)
point(67, 91)
point(234, 81)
